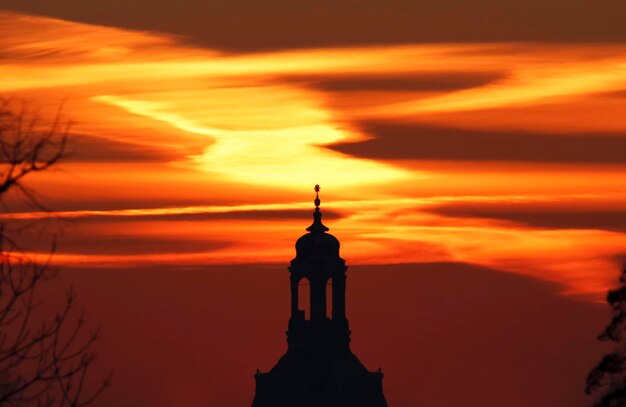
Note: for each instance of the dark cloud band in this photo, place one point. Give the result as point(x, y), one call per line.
point(419, 142)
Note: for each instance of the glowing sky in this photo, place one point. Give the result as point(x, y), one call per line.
point(426, 152)
point(472, 158)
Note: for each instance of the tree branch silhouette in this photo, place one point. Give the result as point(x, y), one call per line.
point(44, 361)
point(608, 377)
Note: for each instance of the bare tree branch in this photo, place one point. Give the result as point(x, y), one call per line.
point(43, 362)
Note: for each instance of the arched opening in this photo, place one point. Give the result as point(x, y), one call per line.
point(304, 298)
point(329, 298)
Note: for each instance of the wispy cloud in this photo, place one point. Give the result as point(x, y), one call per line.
point(390, 132)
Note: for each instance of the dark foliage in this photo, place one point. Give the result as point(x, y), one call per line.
point(608, 377)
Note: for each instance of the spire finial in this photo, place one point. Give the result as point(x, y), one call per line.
point(317, 226)
point(317, 195)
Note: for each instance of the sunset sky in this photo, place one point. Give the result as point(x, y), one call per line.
point(472, 159)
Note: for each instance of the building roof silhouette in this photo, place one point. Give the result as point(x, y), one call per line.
point(318, 369)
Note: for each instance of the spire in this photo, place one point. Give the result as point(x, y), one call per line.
point(317, 226)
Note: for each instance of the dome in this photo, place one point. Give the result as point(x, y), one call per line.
point(316, 245)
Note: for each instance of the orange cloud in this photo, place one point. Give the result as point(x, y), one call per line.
point(251, 132)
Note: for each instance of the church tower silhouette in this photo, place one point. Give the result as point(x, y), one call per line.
point(318, 370)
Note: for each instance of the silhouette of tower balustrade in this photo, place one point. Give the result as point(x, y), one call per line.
point(319, 369)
